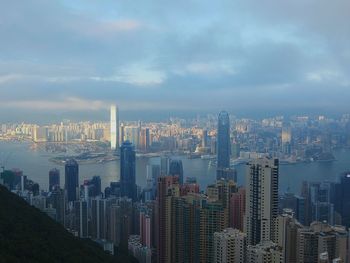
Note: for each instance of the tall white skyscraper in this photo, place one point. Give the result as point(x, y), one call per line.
point(114, 127)
point(261, 200)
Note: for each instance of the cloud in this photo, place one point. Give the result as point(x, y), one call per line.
point(174, 54)
point(136, 74)
point(72, 104)
point(9, 78)
point(211, 68)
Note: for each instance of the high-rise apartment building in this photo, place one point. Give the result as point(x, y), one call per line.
point(81, 214)
point(237, 209)
point(314, 242)
point(167, 187)
point(261, 200)
point(213, 218)
point(265, 252)
point(230, 246)
point(286, 235)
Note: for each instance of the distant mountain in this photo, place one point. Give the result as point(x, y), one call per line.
point(28, 235)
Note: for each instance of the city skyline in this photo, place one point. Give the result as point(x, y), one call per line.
point(175, 131)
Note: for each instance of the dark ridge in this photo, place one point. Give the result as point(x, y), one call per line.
point(29, 235)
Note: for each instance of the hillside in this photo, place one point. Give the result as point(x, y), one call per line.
point(28, 235)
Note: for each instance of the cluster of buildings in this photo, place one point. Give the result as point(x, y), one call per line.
point(173, 220)
point(300, 138)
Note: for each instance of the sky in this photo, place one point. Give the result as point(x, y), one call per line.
point(74, 58)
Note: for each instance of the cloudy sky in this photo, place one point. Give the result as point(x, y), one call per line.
point(185, 55)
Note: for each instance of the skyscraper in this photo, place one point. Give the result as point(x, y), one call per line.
point(114, 127)
point(342, 203)
point(81, 218)
point(223, 143)
point(176, 169)
point(54, 178)
point(71, 180)
point(204, 138)
point(261, 200)
point(128, 170)
point(237, 209)
point(167, 186)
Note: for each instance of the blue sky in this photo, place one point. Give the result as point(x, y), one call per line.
point(160, 55)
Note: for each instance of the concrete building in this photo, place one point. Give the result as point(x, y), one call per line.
point(261, 200)
point(265, 252)
point(314, 242)
point(230, 246)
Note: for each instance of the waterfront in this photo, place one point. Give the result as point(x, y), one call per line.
point(36, 165)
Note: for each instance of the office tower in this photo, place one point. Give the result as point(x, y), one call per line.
point(71, 180)
point(342, 202)
point(114, 127)
point(235, 150)
point(230, 246)
point(296, 203)
point(226, 174)
point(164, 165)
point(314, 241)
point(320, 197)
point(286, 235)
point(54, 178)
point(56, 201)
point(167, 187)
point(261, 200)
point(128, 170)
point(81, 218)
point(153, 173)
point(237, 209)
point(223, 143)
point(144, 139)
point(92, 187)
point(132, 134)
point(286, 140)
point(204, 138)
point(308, 209)
point(265, 252)
point(176, 169)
